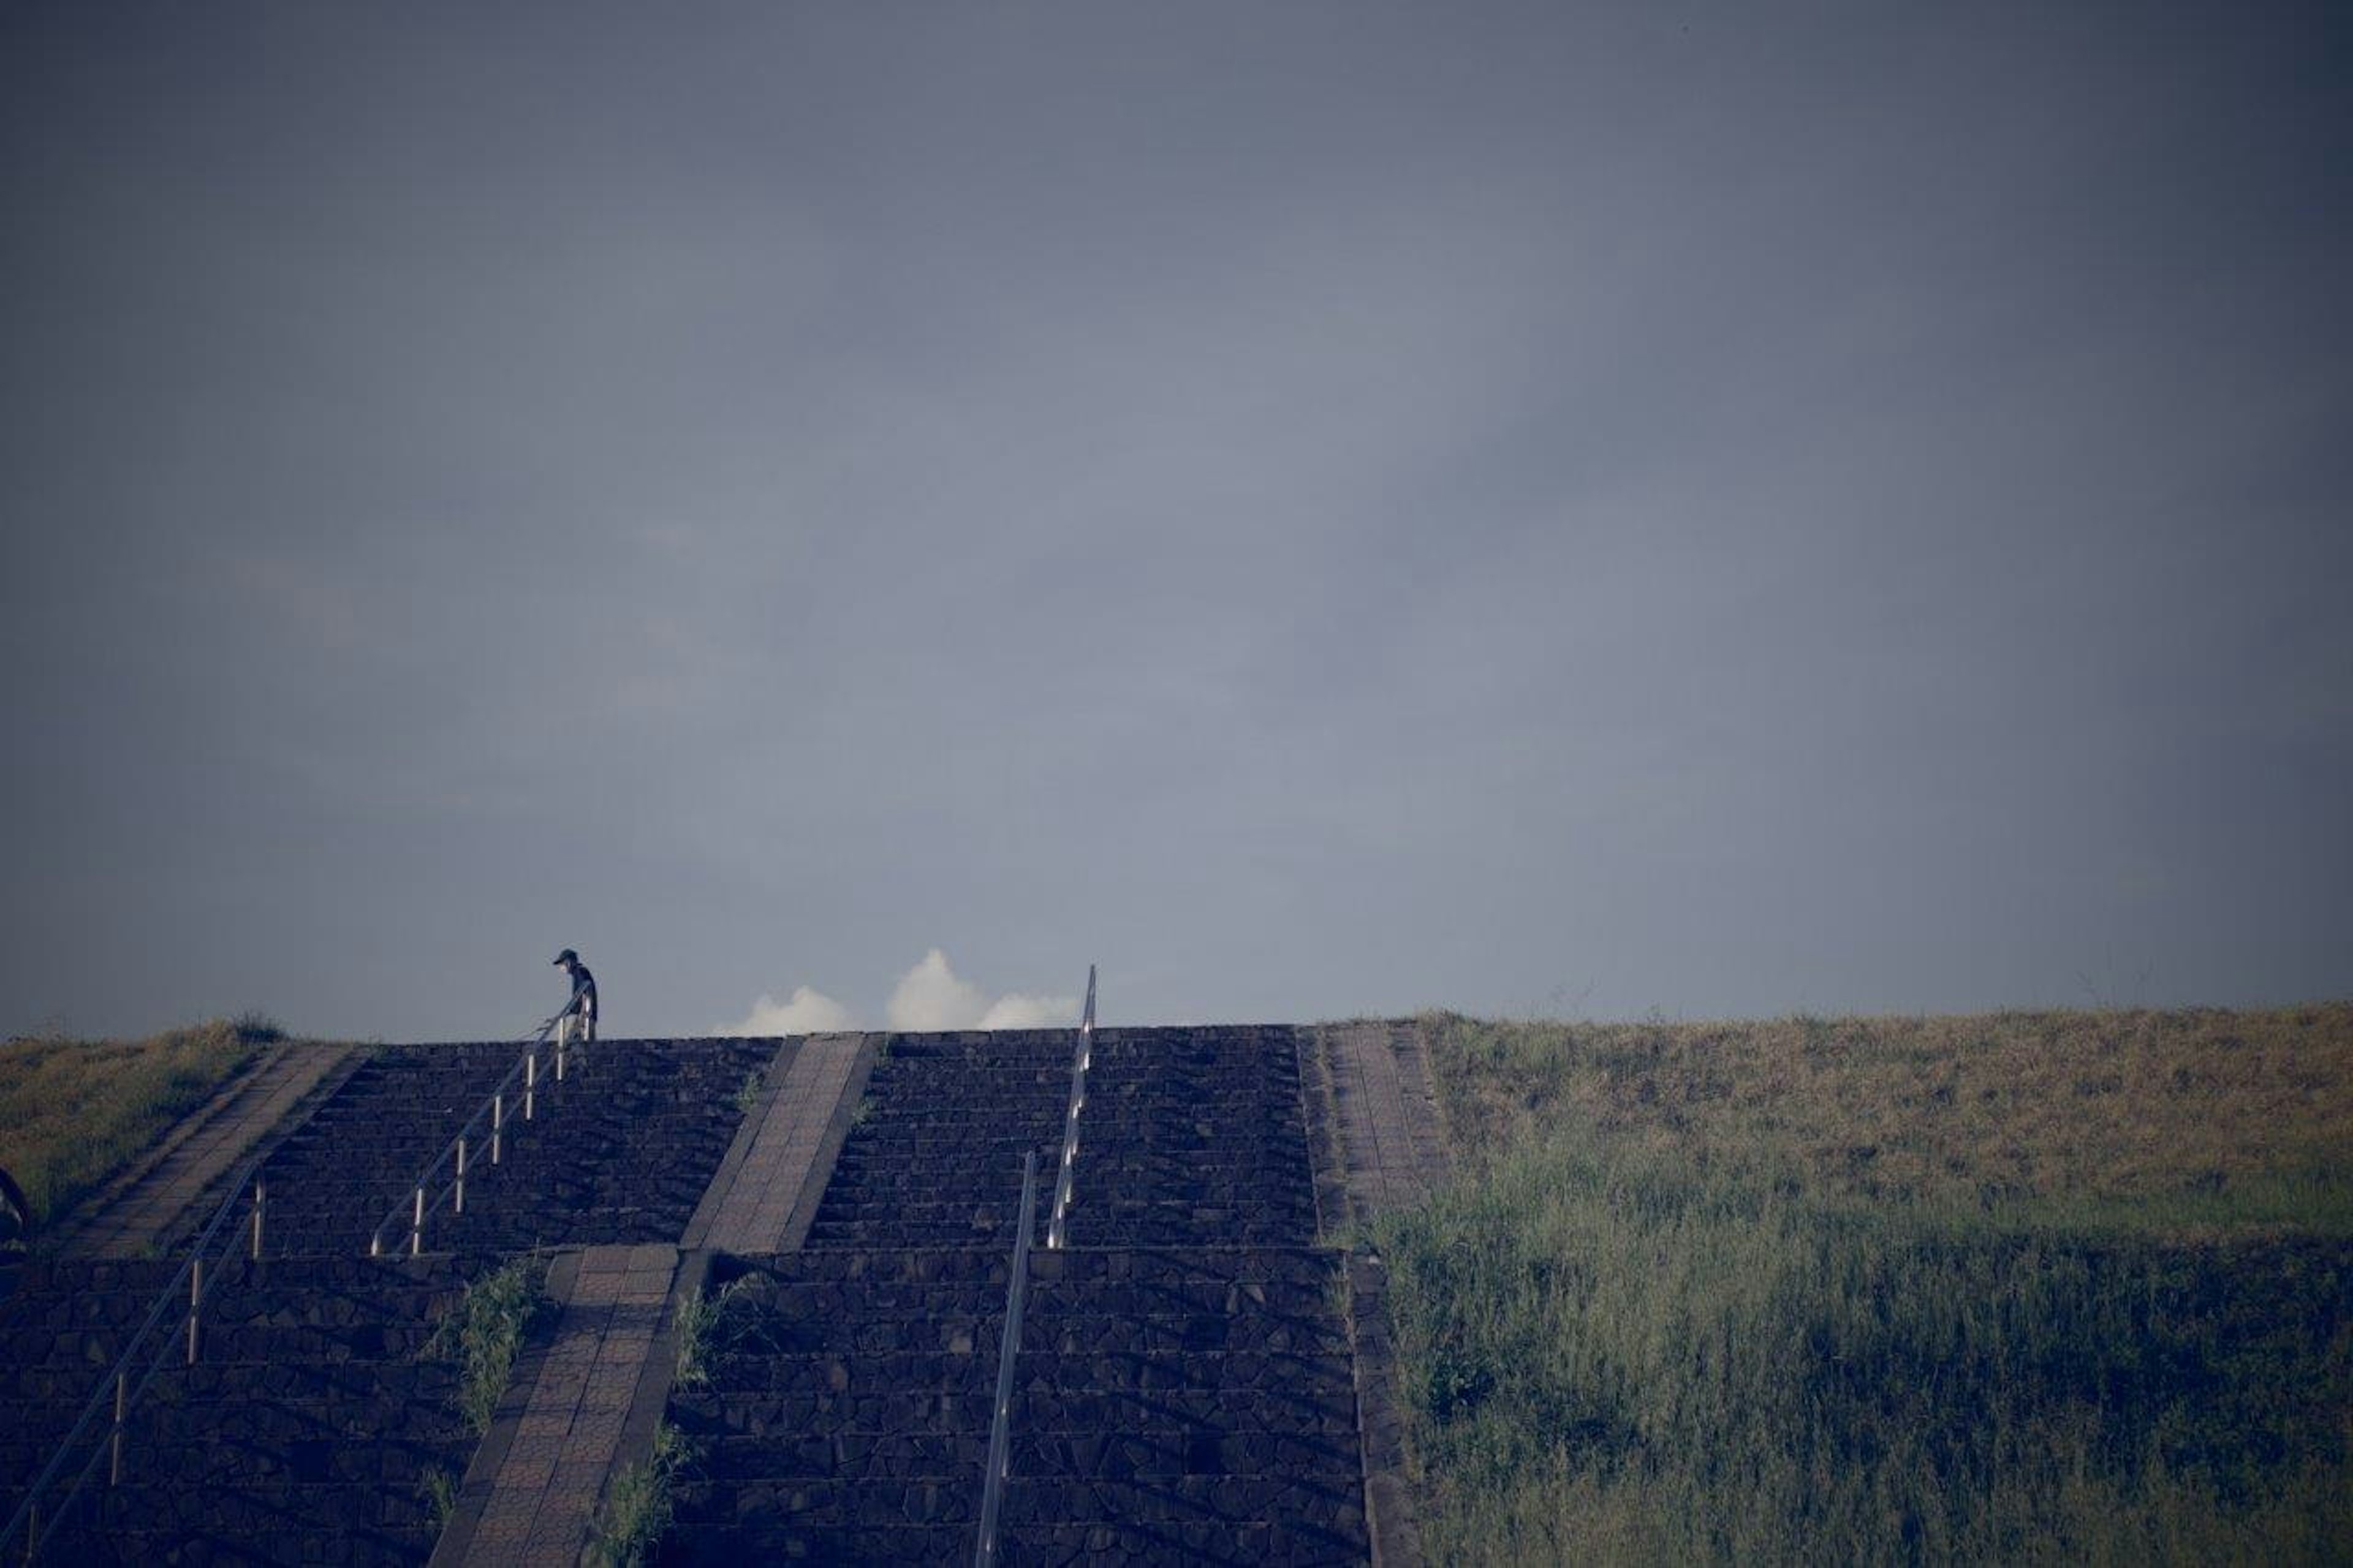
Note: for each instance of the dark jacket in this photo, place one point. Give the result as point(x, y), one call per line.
point(583, 992)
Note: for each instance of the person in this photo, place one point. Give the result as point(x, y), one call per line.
point(578, 1020)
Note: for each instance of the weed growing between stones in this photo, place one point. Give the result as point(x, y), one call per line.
point(439, 1491)
point(486, 1331)
point(693, 1328)
point(708, 1325)
point(748, 1098)
point(638, 1511)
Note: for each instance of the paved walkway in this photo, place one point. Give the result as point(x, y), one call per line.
point(1382, 1128)
point(605, 1379)
point(760, 1200)
point(1392, 1139)
point(541, 1508)
point(148, 1203)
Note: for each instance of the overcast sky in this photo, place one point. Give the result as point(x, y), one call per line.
point(1317, 509)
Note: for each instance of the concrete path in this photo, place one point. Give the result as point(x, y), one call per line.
point(1380, 1142)
point(765, 1191)
point(545, 1485)
point(1392, 1140)
point(148, 1203)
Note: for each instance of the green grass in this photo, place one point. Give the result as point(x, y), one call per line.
point(637, 1512)
point(438, 1489)
point(485, 1332)
point(709, 1324)
point(73, 1112)
point(1662, 1315)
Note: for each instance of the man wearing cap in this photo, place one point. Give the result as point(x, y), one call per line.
point(578, 1020)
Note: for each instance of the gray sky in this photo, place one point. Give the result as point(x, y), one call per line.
point(1318, 508)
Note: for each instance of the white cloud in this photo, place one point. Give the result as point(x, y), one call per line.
point(1015, 1011)
point(930, 996)
point(810, 1012)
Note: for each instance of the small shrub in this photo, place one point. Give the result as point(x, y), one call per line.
point(486, 1331)
point(693, 1325)
point(255, 1027)
point(748, 1098)
point(637, 1512)
point(439, 1489)
point(711, 1323)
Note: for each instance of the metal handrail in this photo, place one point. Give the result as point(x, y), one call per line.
point(416, 1204)
point(1001, 1425)
point(1058, 1222)
point(198, 1282)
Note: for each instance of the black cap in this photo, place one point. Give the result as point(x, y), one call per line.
point(567, 956)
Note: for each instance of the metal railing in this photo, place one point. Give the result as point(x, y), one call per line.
point(1000, 1424)
point(1058, 1221)
point(39, 1513)
point(422, 1199)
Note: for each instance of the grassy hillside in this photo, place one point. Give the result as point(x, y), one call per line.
point(72, 1112)
point(2023, 1287)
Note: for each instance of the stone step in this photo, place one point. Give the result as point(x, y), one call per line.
point(1152, 1372)
point(756, 1412)
point(1329, 1412)
point(931, 1502)
point(693, 1543)
point(846, 1456)
point(1133, 1456)
point(1332, 1502)
point(1190, 1540)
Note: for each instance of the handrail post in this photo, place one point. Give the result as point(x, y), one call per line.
point(416, 1224)
point(458, 1205)
point(121, 1409)
point(98, 1434)
point(529, 1080)
point(1000, 1433)
point(195, 1301)
point(1058, 1220)
point(256, 1218)
point(498, 1124)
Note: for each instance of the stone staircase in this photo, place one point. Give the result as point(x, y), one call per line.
point(248, 1454)
point(1184, 1384)
point(1185, 1391)
point(935, 1159)
point(1185, 1404)
point(1188, 1382)
point(1194, 1138)
point(617, 1152)
point(847, 1415)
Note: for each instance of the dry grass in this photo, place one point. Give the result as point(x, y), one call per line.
point(72, 1112)
point(2030, 1287)
point(2076, 1106)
